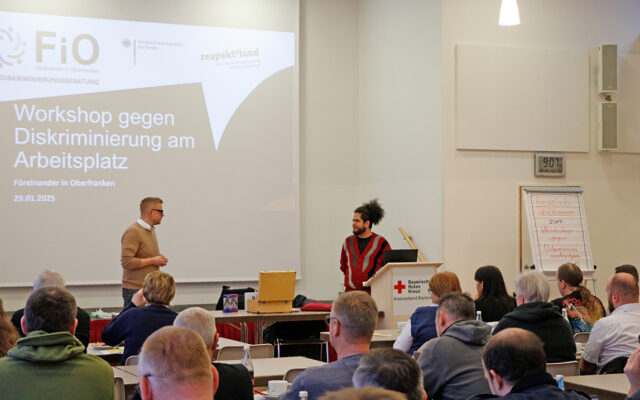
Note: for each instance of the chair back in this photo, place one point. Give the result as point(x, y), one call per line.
point(236, 352)
point(581, 337)
point(118, 389)
point(292, 374)
point(132, 360)
point(567, 368)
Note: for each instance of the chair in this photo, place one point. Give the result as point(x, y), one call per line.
point(615, 366)
point(292, 374)
point(581, 337)
point(132, 360)
point(567, 368)
point(236, 352)
point(416, 355)
point(303, 342)
point(118, 389)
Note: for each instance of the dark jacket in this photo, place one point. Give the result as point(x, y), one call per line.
point(493, 309)
point(452, 364)
point(545, 320)
point(538, 386)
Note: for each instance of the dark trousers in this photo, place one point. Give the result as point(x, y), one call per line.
point(127, 294)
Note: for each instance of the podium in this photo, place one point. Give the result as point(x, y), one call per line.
point(399, 288)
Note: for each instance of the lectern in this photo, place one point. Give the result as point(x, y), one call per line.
point(400, 288)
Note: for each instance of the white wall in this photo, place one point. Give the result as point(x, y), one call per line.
point(480, 187)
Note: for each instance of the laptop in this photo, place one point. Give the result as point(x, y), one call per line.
point(400, 255)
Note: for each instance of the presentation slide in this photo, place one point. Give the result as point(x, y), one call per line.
point(98, 113)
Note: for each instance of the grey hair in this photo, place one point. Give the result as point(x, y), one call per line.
point(199, 320)
point(533, 286)
point(174, 356)
point(459, 306)
point(390, 369)
point(357, 313)
point(48, 278)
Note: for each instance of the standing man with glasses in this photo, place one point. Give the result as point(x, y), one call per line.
point(140, 252)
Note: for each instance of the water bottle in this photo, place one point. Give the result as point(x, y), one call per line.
point(479, 316)
point(303, 395)
point(560, 380)
point(246, 360)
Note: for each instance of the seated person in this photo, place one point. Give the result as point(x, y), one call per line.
point(616, 335)
point(8, 333)
point(364, 393)
point(422, 324)
point(515, 367)
point(174, 364)
point(148, 311)
point(51, 278)
point(534, 313)
point(351, 323)
point(583, 309)
point(451, 364)
point(492, 299)
point(49, 362)
point(390, 369)
point(632, 370)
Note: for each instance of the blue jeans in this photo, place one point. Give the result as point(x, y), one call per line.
point(127, 294)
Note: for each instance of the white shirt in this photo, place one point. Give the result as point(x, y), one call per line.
point(404, 340)
point(614, 336)
point(143, 224)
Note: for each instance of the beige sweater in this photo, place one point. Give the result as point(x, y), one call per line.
point(137, 243)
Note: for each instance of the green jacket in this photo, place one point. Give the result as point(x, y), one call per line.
point(53, 366)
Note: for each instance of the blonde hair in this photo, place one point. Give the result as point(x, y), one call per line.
point(443, 283)
point(159, 288)
point(148, 202)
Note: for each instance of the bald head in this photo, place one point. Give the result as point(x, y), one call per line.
point(622, 288)
point(514, 353)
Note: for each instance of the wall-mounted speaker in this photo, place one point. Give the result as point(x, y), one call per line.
point(607, 126)
point(608, 68)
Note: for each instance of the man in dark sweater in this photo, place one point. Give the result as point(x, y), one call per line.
point(534, 313)
point(54, 279)
point(515, 367)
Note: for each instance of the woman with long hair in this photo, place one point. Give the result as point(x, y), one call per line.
point(422, 324)
point(583, 308)
point(8, 334)
point(492, 300)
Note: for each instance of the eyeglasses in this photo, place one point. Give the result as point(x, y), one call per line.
point(328, 320)
point(158, 210)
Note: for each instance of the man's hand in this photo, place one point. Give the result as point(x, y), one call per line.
point(632, 369)
point(160, 260)
point(138, 299)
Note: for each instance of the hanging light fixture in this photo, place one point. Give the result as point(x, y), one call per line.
point(509, 14)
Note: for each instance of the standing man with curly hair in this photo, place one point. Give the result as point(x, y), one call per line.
point(363, 252)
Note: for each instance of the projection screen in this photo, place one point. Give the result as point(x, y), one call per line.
point(103, 103)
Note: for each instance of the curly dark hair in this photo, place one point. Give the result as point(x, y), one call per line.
point(371, 211)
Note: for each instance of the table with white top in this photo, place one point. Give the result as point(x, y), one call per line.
point(381, 338)
point(606, 387)
point(265, 369)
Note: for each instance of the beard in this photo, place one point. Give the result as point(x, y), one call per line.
point(357, 231)
point(610, 306)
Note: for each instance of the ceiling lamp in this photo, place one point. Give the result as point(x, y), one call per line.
point(509, 14)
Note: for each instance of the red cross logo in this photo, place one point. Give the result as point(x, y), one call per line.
point(399, 287)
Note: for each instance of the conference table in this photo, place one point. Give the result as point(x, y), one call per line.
point(381, 338)
point(262, 321)
point(265, 369)
point(606, 387)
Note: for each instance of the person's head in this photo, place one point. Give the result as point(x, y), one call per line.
point(353, 319)
point(174, 364)
point(48, 278)
point(442, 283)
point(531, 286)
point(202, 322)
point(454, 307)
point(390, 369)
point(364, 393)
point(151, 210)
point(569, 277)
point(622, 288)
point(629, 269)
point(510, 355)
point(159, 288)
point(8, 334)
point(50, 309)
point(365, 216)
point(489, 282)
